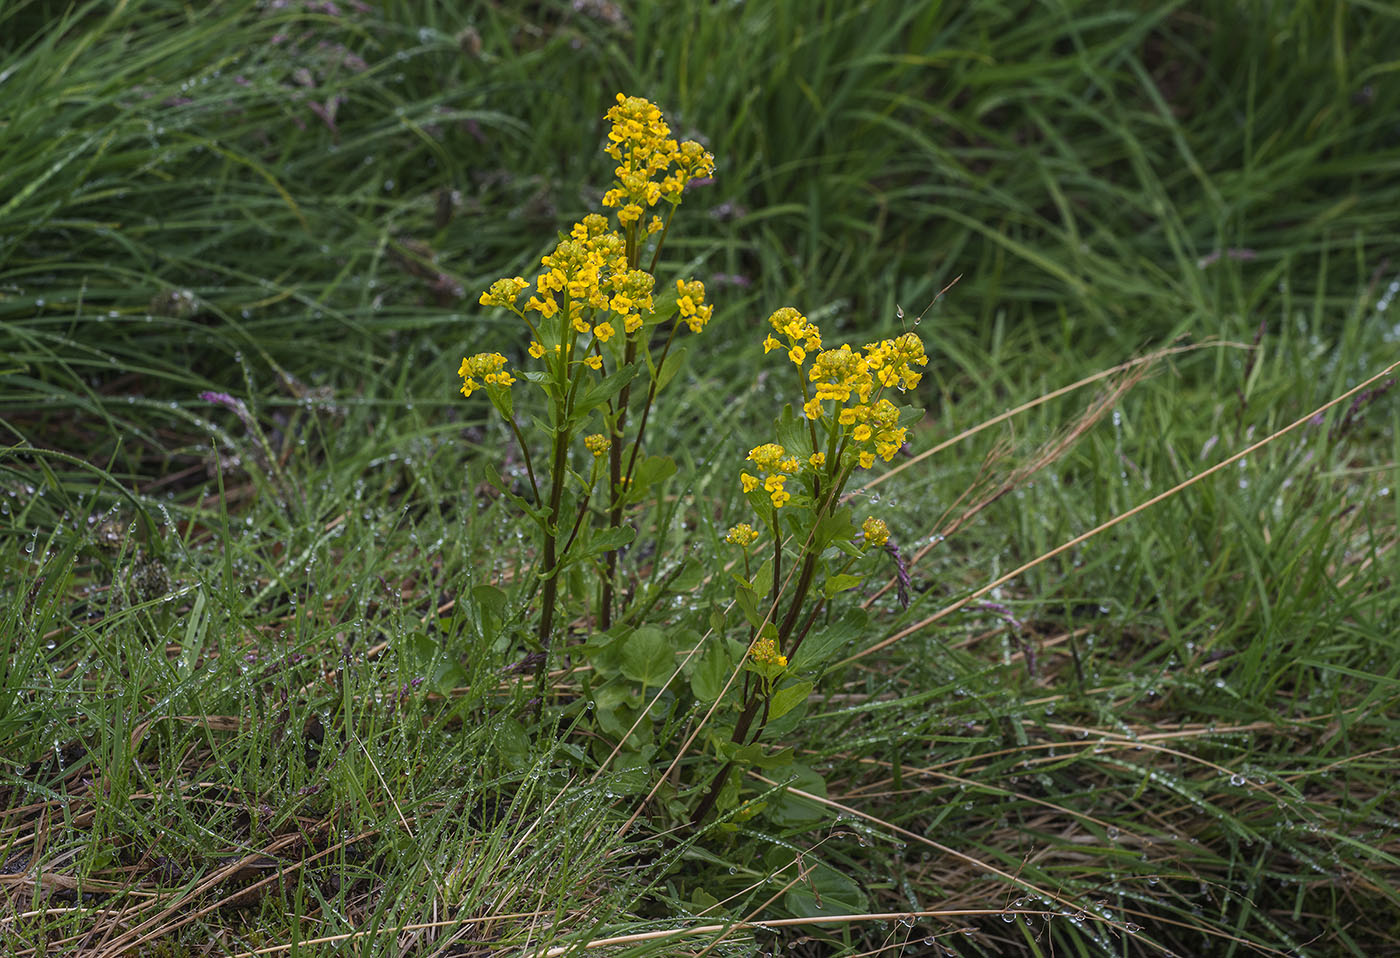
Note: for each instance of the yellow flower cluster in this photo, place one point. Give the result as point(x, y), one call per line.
point(876, 431)
point(851, 380)
point(775, 465)
point(875, 531)
point(489, 367)
point(598, 444)
point(690, 301)
point(590, 268)
point(765, 652)
point(891, 360)
point(504, 292)
point(742, 535)
point(589, 276)
point(802, 336)
point(651, 165)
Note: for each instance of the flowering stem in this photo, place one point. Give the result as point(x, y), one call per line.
point(525, 449)
point(615, 484)
point(563, 409)
point(605, 605)
point(741, 730)
point(661, 241)
point(646, 407)
point(777, 558)
point(551, 555)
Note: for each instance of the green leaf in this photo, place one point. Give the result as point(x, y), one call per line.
point(538, 513)
point(909, 415)
point(763, 579)
point(653, 469)
point(611, 696)
point(840, 583)
point(691, 575)
point(822, 645)
point(491, 601)
point(709, 675)
point(502, 400)
point(446, 677)
point(747, 601)
point(703, 903)
point(850, 548)
point(663, 306)
point(775, 759)
point(600, 392)
point(606, 540)
point(647, 657)
point(428, 659)
point(825, 891)
point(513, 742)
point(791, 432)
point(755, 755)
point(788, 698)
point(603, 650)
point(791, 811)
point(835, 528)
point(670, 367)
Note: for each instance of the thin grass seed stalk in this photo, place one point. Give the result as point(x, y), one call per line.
point(599, 337)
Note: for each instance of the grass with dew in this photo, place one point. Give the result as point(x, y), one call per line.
point(264, 691)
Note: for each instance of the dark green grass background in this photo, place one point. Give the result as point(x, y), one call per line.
point(298, 204)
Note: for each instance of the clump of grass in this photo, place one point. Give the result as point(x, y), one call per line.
point(261, 689)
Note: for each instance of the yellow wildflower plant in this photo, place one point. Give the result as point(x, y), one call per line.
point(590, 310)
point(846, 423)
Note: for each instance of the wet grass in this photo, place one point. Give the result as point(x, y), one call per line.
point(262, 688)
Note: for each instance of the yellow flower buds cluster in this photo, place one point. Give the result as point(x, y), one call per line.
point(765, 652)
point(742, 535)
point(775, 465)
point(875, 531)
point(489, 368)
point(598, 444)
point(802, 336)
point(651, 165)
point(504, 292)
point(690, 301)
